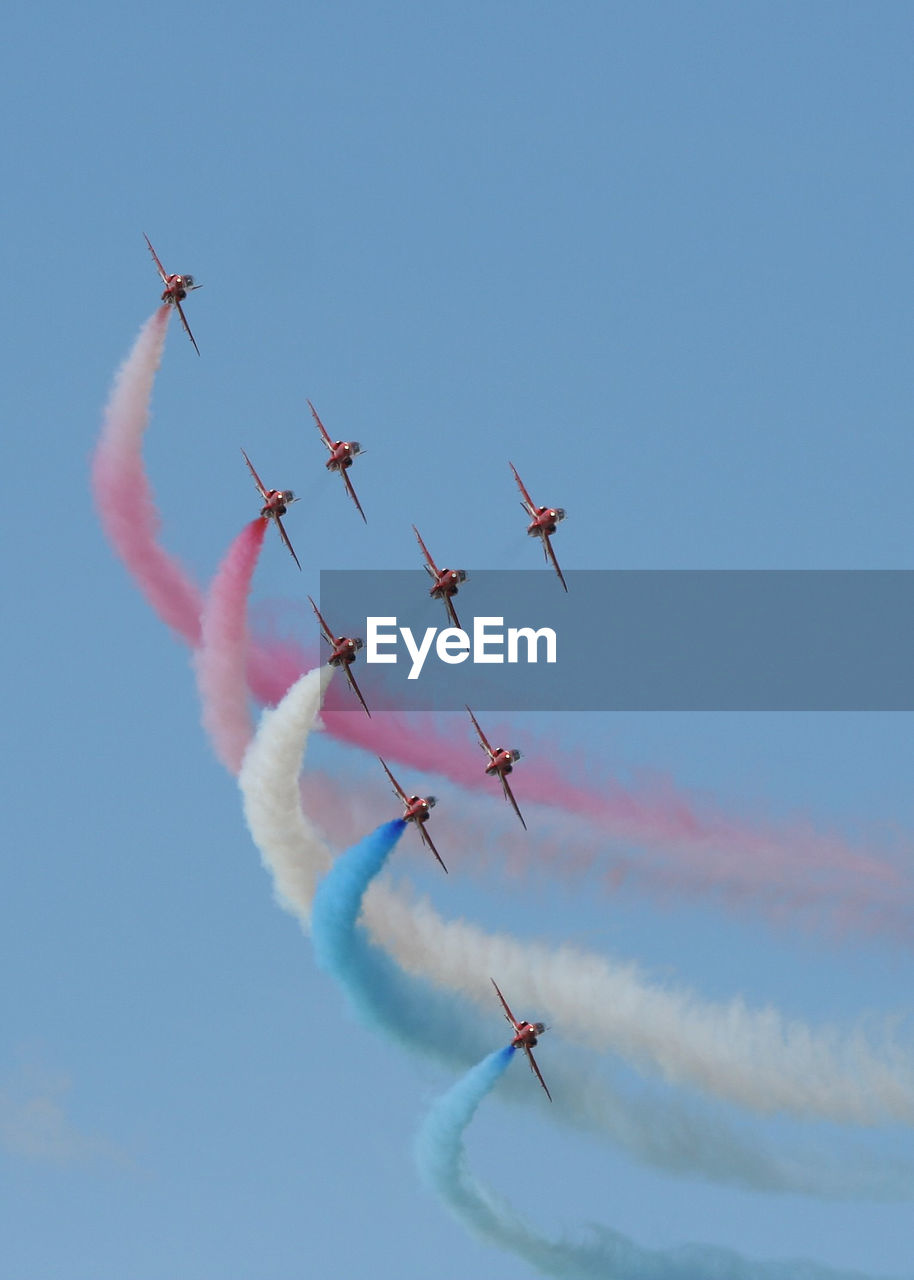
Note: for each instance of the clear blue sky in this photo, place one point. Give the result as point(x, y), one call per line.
point(658, 255)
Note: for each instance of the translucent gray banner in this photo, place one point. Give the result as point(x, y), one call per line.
point(632, 640)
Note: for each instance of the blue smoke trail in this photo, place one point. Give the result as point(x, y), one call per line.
point(389, 1000)
point(440, 1023)
point(439, 1143)
point(422, 1019)
point(441, 1159)
point(338, 901)
point(407, 1009)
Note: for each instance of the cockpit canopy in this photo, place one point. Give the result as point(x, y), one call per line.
point(431, 801)
point(459, 574)
point(514, 753)
point(357, 642)
point(287, 495)
point(558, 514)
point(354, 447)
point(539, 1028)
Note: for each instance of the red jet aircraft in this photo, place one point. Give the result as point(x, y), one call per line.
point(545, 520)
point(342, 453)
point(344, 653)
point(446, 580)
point(275, 504)
point(525, 1036)
point(501, 761)
point(417, 810)
point(176, 290)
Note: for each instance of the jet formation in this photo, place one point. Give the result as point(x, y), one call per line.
point(500, 761)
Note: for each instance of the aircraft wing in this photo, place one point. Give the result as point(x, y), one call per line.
point(483, 740)
point(527, 503)
point(356, 690)
point(550, 555)
point(180, 310)
point(327, 633)
point(348, 483)
point(508, 1014)
point(285, 538)
point(451, 611)
point(257, 480)
point(536, 1071)
point(321, 428)
point(398, 790)
point(432, 567)
point(155, 258)
point(509, 796)
point(427, 840)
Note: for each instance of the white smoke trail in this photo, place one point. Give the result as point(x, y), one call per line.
point(655, 1130)
point(291, 847)
point(754, 1058)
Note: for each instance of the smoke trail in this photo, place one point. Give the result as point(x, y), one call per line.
point(439, 1142)
point(655, 1129)
point(220, 660)
point(123, 496)
point(682, 846)
point(291, 847)
point(784, 869)
point(339, 948)
point(562, 845)
point(754, 1058)
point(660, 815)
point(791, 867)
point(789, 870)
point(127, 511)
point(418, 1018)
point(441, 1159)
point(338, 900)
point(125, 502)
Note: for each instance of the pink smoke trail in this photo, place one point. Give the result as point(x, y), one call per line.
point(123, 496)
point(490, 841)
point(344, 812)
point(696, 847)
point(683, 847)
point(220, 660)
point(660, 816)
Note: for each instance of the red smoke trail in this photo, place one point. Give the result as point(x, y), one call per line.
point(220, 660)
point(123, 496)
point(658, 816)
point(491, 841)
point(683, 846)
point(701, 847)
